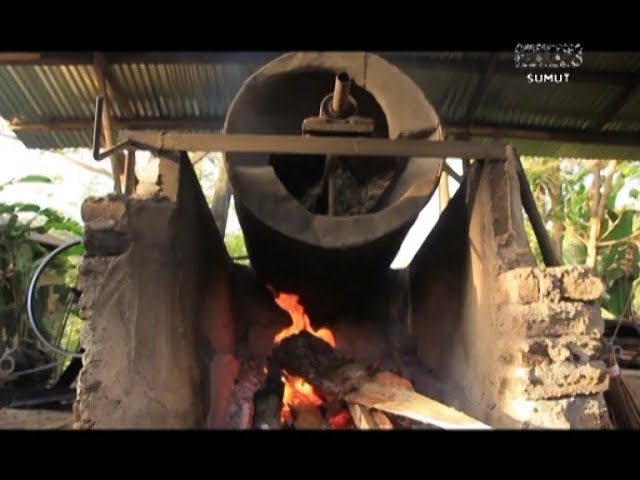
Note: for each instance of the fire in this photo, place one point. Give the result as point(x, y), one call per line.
point(297, 392)
point(290, 303)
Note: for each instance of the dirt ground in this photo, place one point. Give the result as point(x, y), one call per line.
point(23, 419)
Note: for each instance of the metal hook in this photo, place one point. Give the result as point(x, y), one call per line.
point(97, 134)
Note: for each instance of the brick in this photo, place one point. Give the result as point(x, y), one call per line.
point(519, 286)
point(576, 349)
point(578, 412)
point(579, 283)
point(569, 282)
point(111, 207)
point(548, 319)
point(547, 381)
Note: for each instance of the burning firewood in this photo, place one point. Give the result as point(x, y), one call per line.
point(337, 377)
point(332, 374)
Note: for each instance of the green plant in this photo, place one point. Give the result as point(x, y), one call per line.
point(19, 254)
point(581, 204)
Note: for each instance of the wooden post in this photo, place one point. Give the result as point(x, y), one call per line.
point(466, 166)
point(116, 160)
point(221, 197)
point(443, 188)
point(130, 175)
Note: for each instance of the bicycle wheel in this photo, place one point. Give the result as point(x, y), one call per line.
point(52, 300)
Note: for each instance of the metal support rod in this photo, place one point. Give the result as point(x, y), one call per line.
point(309, 145)
point(547, 248)
point(452, 173)
point(97, 135)
point(97, 127)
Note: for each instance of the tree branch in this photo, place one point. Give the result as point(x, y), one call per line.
point(621, 240)
point(606, 191)
point(594, 223)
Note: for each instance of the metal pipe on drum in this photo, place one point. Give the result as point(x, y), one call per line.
point(341, 91)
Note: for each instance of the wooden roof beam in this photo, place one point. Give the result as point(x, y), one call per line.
point(208, 124)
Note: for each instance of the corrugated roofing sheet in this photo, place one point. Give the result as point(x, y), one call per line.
point(36, 94)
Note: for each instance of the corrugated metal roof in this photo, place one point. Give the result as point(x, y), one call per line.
point(41, 93)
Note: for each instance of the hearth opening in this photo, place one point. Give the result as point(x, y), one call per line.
point(290, 369)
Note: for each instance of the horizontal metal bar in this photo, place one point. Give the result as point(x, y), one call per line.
point(216, 123)
point(304, 145)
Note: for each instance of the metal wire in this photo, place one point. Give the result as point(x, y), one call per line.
point(36, 369)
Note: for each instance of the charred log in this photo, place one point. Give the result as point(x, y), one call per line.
point(331, 373)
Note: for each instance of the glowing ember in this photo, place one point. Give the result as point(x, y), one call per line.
point(297, 392)
point(341, 420)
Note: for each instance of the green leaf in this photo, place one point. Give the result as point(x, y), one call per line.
point(51, 214)
point(34, 179)
point(623, 228)
point(29, 207)
point(634, 193)
point(64, 226)
point(616, 298)
point(5, 208)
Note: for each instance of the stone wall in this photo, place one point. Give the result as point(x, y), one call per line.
point(550, 336)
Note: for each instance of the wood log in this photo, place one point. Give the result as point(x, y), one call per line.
point(366, 419)
point(331, 373)
point(407, 403)
point(335, 376)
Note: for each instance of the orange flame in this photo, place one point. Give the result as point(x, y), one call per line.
point(297, 392)
point(290, 303)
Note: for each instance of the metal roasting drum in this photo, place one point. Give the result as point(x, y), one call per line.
point(327, 228)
